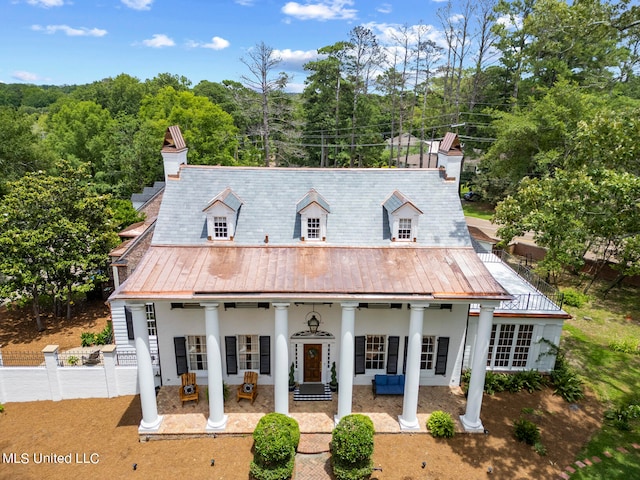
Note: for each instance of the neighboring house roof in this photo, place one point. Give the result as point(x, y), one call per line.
point(410, 273)
point(271, 198)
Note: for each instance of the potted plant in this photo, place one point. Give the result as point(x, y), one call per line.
point(334, 381)
point(292, 379)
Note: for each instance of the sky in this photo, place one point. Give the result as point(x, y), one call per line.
point(72, 42)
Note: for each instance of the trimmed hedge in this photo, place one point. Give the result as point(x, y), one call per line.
point(352, 447)
point(276, 438)
point(441, 425)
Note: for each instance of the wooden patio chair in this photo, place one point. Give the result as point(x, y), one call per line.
point(249, 388)
point(189, 390)
point(92, 359)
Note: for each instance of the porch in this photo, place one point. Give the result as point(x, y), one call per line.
point(312, 416)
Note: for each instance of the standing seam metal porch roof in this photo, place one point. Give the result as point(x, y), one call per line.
point(183, 272)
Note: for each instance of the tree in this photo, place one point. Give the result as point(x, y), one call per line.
point(592, 210)
point(55, 235)
point(261, 61)
point(207, 129)
point(20, 149)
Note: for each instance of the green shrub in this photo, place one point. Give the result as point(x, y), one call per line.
point(626, 345)
point(530, 380)
point(275, 440)
point(574, 298)
point(352, 447)
point(105, 337)
point(495, 382)
point(566, 382)
point(540, 449)
point(1, 408)
point(441, 424)
point(622, 416)
point(526, 431)
point(73, 360)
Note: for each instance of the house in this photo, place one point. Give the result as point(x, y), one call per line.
point(371, 269)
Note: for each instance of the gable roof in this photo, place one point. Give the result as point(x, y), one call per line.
point(228, 198)
point(450, 144)
point(397, 200)
point(312, 197)
point(173, 140)
point(271, 199)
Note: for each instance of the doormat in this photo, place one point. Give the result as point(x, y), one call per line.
point(312, 392)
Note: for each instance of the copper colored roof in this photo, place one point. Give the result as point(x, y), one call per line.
point(173, 140)
point(402, 272)
point(450, 143)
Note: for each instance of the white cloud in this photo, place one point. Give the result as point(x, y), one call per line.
point(46, 3)
point(138, 4)
point(245, 3)
point(385, 8)
point(323, 10)
point(25, 76)
point(295, 59)
point(70, 31)
point(508, 22)
point(295, 87)
point(159, 40)
point(217, 43)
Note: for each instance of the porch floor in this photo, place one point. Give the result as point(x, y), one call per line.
point(313, 417)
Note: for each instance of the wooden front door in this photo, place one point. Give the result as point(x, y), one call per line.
point(312, 363)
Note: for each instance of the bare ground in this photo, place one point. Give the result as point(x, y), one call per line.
point(104, 431)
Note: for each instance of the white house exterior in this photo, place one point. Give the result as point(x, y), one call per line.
point(242, 258)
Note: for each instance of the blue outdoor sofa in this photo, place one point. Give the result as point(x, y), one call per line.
point(387, 385)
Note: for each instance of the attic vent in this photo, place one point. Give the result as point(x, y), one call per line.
point(186, 306)
point(380, 306)
point(228, 305)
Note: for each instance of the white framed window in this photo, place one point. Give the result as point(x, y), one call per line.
point(150, 311)
point(404, 229)
point(375, 352)
point(197, 352)
point(313, 228)
point(220, 228)
point(509, 346)
point(428, 353)
point(248, 352)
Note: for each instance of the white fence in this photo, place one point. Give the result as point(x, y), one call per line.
point(50, 380)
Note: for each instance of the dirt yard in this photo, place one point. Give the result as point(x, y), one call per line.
point(98, 437)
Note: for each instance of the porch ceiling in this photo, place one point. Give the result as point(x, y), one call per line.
point(313, 271)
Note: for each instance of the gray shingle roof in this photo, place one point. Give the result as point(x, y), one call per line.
point(270, 199)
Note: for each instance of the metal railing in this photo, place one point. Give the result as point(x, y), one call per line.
point(20, 358)
point(548, 298)
point(74, 359)
point(126, 359)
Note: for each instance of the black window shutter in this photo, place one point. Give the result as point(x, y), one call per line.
point(265, 355)
point(180, 346)
point(360, 344)
point(404, 354)
point(392, 357)
point(232, 361)
point(441, 357)
point(129, 317)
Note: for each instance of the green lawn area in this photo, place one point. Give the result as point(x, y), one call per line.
point(477, 210)
point(590, 339)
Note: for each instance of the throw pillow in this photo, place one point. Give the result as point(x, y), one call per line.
point(189, 389)
point(247, 388)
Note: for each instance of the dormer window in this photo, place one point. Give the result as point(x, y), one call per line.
point(220, 230)
point(313, 210)
point(403, 217)
point(222, 215)
point(404, 229)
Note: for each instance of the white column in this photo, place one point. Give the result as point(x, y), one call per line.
point(471, 419)
point(150, 419)
point(281, 367)
point(217, 420)
point(409, 419)
point(345, 372)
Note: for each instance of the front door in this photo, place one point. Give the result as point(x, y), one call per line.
point(312, 363)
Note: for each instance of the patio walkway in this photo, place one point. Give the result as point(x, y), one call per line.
point(313, 417)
